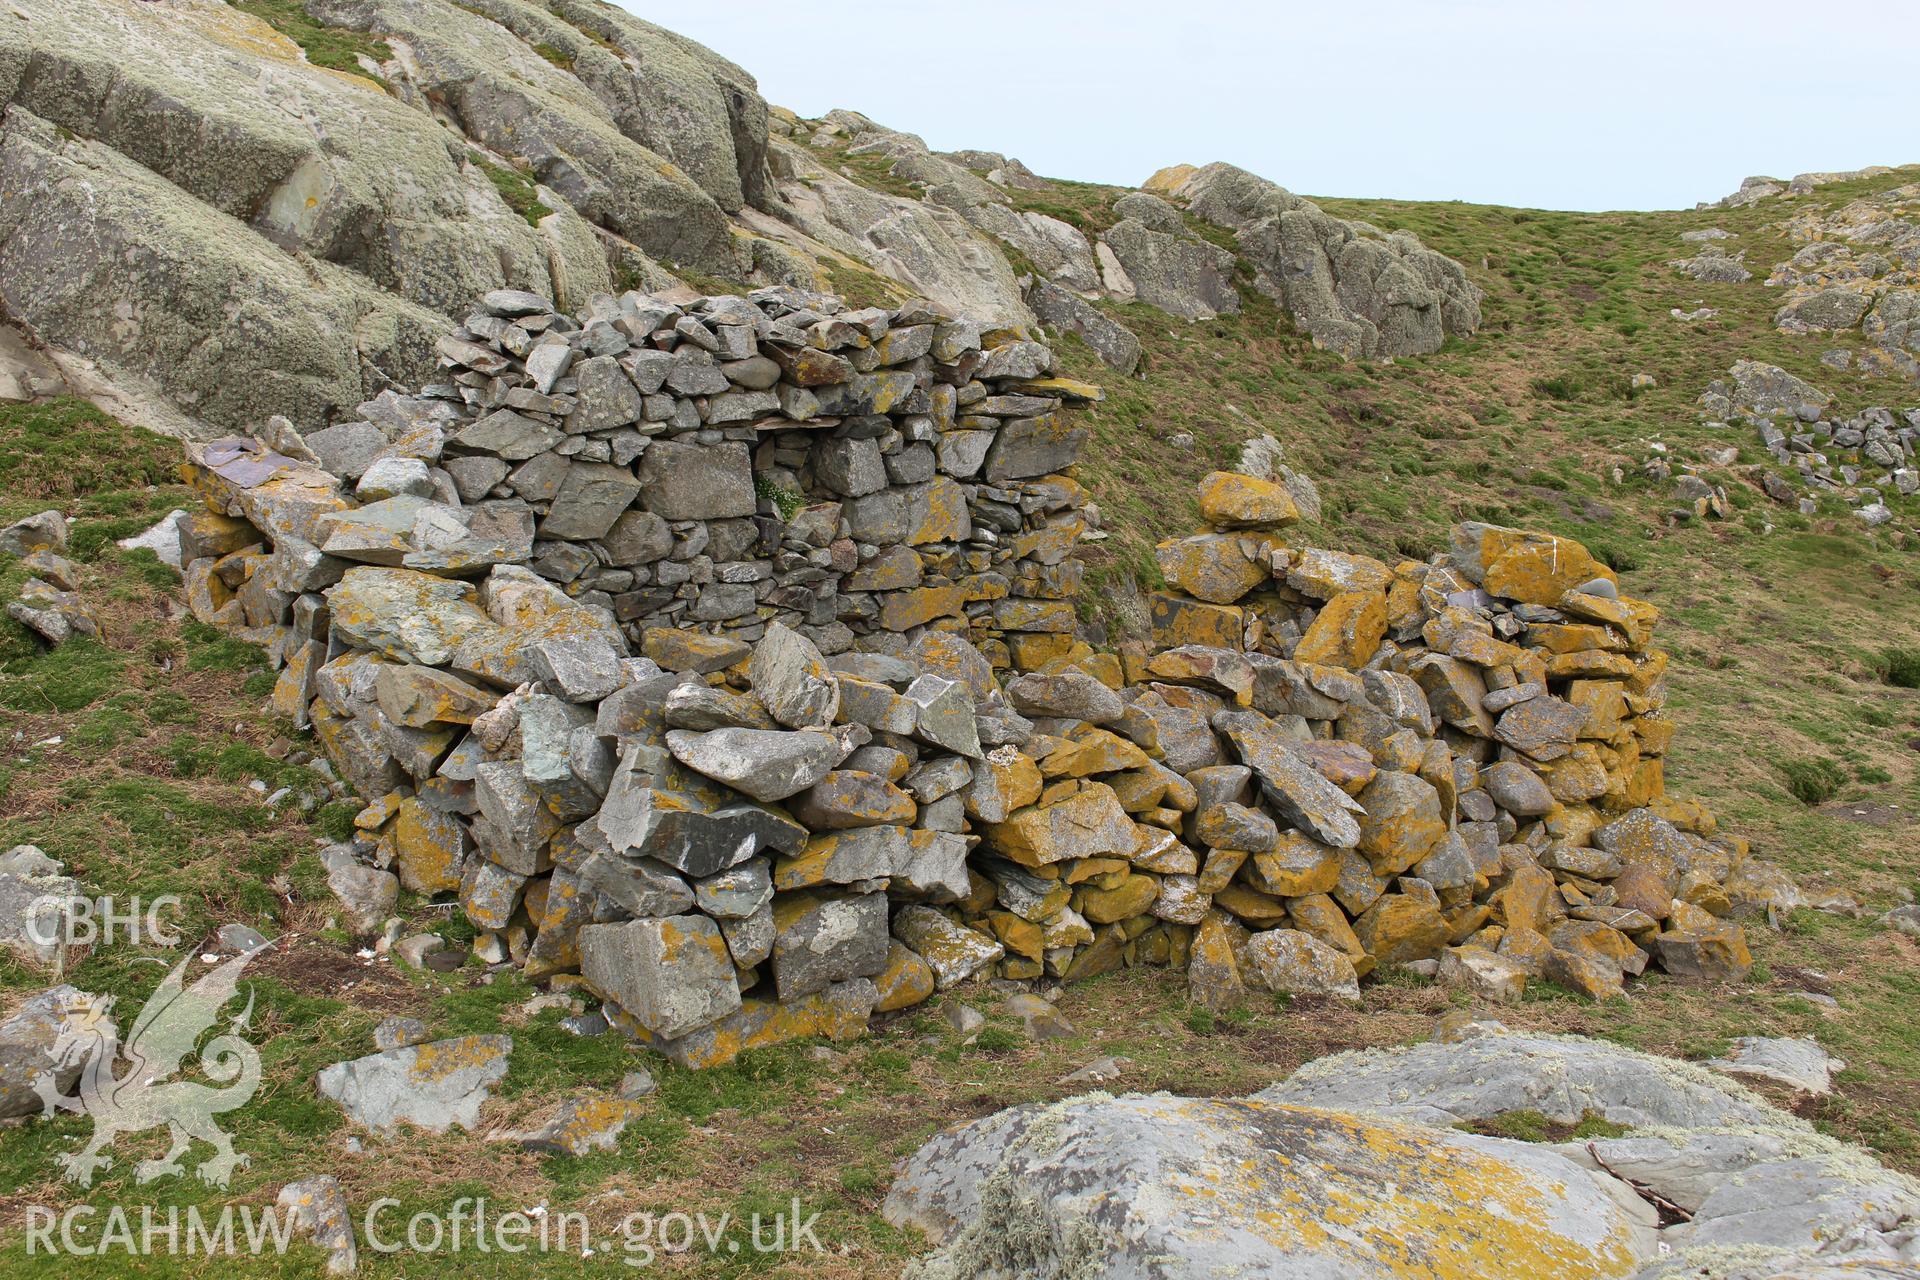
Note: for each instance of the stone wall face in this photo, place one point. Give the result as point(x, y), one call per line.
point(717, 464)
point(717, 656)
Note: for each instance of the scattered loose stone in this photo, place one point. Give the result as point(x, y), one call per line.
point(319, 1207)
point(582, 1126)
point(36, 1065)
point(396, 1032)
point(432, 1086)
point(1801, 1065)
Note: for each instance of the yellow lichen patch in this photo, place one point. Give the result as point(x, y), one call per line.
point(589, 1124)
point(1178, 621)
point(1589, 664)
point(379, 812)
point(1535, 568)
point(1605, 702)
point(904, 610)
point(1347, 631)
point(1460, 1208)
point(944, 518)
point(436, 1061)
point(1021, 937)
point(1084, 824)
point(906, 981)
point(1169, 180)
point(1092, 750)
point(290, 691)
point(1130, 897)
point(1229, 500)
point(1399, 927)
point(237, 30)
point(1296, 866)
point(429, 846)
point(1634, 618)
point(1573, 637)
point(1033, 650)
point(1070, 388)
point(1321, 917)
point(678, 649)
point(1258, 909)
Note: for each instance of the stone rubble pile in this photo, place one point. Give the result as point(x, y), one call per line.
point(49, 603)
point(1864, 459)
point(1458, 761)
point(717, 656)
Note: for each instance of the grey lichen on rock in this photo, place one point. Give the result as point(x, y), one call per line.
point(106, 258)
point(1355, 289)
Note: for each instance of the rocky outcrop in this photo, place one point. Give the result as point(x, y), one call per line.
point(35, 1066)
point(1714, 265)
point(106, 258)
point(1065, 312)
point(671, 95)
point(220, 229)
point(247, 234)
point(1354, 1167)
point(506, 96)
point(927, 247)
point(1355, 289)
point(1858, 268)
point(1764, 391)
point(1192, 1187)
point(1760, 187)
point(1165, 265)
point(216, 109)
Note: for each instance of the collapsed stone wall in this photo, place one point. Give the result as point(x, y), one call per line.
point(745, 765)
point(1863, 459)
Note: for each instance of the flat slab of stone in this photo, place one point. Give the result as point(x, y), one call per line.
point(1561, 1077)
point(1797, 1064)
point(430, 1086)
point(1163, 1186)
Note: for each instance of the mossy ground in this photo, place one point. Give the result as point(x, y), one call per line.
point(336, 48)
point(1782, 640)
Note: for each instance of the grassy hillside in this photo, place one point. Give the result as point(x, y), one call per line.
point(1785, 626)
point(134, 759)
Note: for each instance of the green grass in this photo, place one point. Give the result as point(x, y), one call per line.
point(1813, 780)
point(515, 187)
point(336, 48)
point(786, 501)
point(1532, 1126)
point(1902, 668)
point(67, 451)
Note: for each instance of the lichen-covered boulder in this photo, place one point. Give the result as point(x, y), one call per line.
point(1354, 288)
point(1561, 1077)
point(431, 1086)
point(1182, 1187)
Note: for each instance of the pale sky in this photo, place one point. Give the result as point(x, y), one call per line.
point(1567, 104)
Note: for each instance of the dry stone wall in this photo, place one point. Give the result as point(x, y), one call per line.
point(722, 464)
point(716, 655)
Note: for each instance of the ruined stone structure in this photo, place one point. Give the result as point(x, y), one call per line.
point(718, 654)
